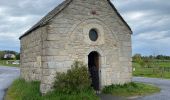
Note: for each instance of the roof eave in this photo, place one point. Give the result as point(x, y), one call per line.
point(28, 32)
point(44, 21)
point(65, 3)
point(120, 16)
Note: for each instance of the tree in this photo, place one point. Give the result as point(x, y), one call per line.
point(18, 56)
point(138, 59)
point(1, 55)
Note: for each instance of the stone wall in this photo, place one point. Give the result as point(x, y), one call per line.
point(67, 40)
point(31, 54)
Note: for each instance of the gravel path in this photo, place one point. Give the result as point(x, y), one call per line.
point(164, 84)
point(7, 75)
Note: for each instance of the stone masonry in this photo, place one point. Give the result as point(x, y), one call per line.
point(62, 37)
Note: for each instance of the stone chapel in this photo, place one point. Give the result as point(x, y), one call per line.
point(91, 31)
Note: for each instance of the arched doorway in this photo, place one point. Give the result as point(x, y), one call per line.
point(93, 65)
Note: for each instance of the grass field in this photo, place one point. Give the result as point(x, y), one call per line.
point(161, 70)
point(131, 89)
point(163, 64)
point(22, 90)
point(3, 63)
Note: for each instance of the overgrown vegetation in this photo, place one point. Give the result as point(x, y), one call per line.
point(22, 90)
point(75, 80)
point(131, 89)
point(73, 85)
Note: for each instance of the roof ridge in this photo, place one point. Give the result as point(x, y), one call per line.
point(47, 17)
point(58, 9)
point(117, 12)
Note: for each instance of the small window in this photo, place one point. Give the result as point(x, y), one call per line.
point(93, 35)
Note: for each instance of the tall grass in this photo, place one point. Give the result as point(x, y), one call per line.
point(73, 85)
point(22, 90)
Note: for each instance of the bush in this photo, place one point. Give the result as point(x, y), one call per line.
point(73, 85)
point(75, 80)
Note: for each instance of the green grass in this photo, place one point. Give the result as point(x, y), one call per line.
point(131, 89)
point(22, 90)
point(152, 72)
point(3, 63)
point(163, 64)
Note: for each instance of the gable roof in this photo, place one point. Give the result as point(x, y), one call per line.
point(57, 10)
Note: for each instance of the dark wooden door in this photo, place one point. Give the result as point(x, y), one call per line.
point(93, 64)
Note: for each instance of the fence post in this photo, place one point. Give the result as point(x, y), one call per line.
point(162, 71)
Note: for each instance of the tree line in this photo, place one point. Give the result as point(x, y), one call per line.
point(151, 57)
point(150, 61)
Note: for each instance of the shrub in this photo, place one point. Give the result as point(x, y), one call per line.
point(73, 85)
point(74, 81)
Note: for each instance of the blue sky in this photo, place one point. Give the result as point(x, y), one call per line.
point(149, 20)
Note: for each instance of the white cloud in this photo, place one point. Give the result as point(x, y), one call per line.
point(135, 16)
point(153, 35)
point(149, 20)
point(18, 16)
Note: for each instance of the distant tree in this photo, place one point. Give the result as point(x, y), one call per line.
point(151, 57)
point(162, 57)
point(18, 56)
point(10, 52)
point(1, 55)
point(138, 59)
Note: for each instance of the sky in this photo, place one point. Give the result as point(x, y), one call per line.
point(148, 19)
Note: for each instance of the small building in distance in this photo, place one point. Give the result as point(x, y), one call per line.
point(9, 56)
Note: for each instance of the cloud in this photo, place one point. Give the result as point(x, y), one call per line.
point(149, 20)
point(17, 16)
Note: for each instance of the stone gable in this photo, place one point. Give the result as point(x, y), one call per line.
point(65, 38)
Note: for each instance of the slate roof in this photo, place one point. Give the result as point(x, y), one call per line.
point(57, 10)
